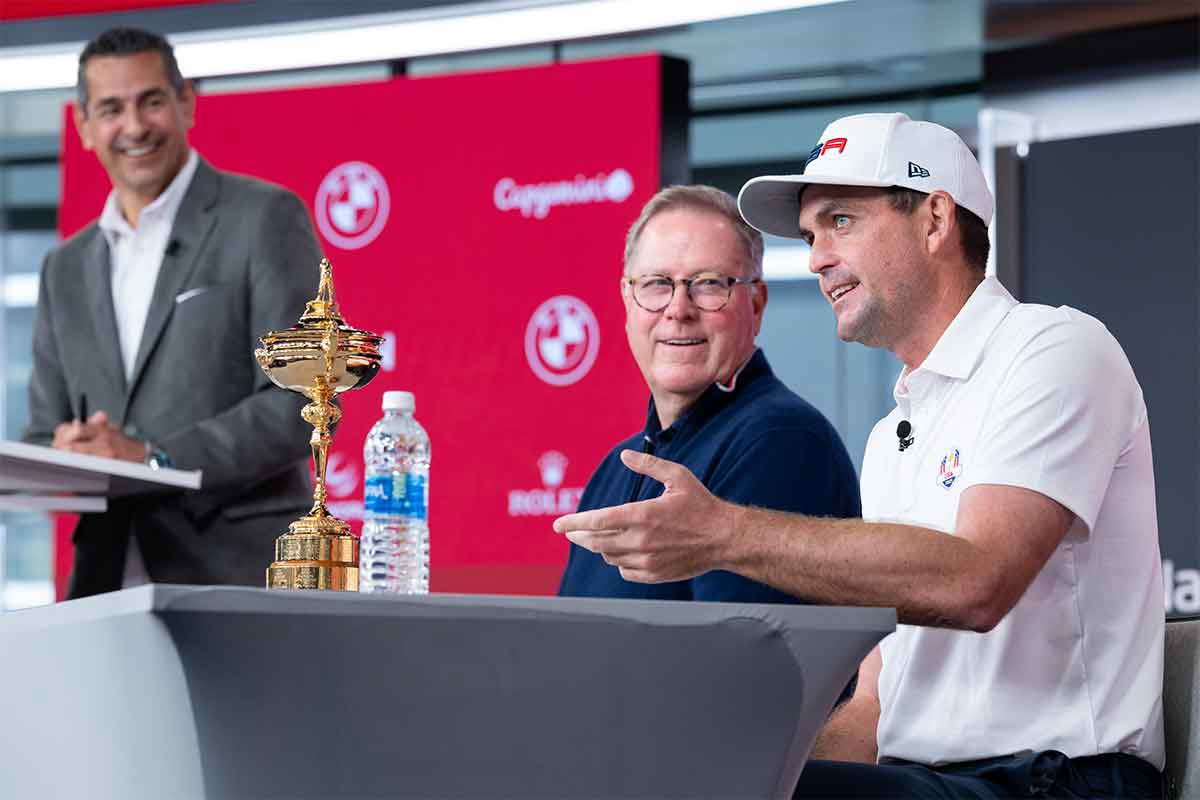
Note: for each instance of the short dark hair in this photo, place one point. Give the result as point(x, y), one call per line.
point(973, 234)
point(127, 42)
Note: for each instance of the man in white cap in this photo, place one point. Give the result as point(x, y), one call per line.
point(1008, 501)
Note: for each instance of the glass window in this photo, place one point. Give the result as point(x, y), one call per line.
point(30, 125)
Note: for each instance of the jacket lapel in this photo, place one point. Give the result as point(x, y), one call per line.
point(97, 281)
point(193, 222)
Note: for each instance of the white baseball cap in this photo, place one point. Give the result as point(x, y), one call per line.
point(871, 150)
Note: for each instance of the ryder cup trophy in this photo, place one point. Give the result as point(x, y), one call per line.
point(321, 356)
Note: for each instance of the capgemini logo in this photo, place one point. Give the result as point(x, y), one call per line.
point(537, 199)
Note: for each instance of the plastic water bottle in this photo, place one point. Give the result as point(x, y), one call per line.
point(394, 550)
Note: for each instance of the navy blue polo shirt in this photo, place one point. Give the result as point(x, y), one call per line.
point(759, 444)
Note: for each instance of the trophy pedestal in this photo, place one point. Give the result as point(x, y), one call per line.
point(313, 575)
point(317, 552)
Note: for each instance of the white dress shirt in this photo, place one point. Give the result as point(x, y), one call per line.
point(1041, 398)
point(136, 257)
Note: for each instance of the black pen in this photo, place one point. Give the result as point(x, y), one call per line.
point(83, 414)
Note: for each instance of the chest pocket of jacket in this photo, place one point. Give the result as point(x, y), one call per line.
point(208, 328)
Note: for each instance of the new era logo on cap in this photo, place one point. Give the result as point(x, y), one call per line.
point(879, 150)
point(917, 171)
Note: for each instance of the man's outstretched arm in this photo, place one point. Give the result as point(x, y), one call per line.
point(969, 580)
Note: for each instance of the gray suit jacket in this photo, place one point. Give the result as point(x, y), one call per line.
point(243, 260)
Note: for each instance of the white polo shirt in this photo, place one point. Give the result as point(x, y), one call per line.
point(1042, 398)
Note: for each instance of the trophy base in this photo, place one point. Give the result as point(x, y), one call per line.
point(317, 552)
point(312, 575)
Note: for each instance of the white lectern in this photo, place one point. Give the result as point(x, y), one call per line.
point(36, 478)
point(190, 692)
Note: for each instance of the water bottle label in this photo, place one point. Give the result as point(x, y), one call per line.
point(395, 494)
point(414, 497)
point(382, 495)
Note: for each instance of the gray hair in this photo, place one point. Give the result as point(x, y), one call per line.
point(698, 197)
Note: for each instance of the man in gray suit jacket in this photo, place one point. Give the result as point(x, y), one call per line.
point(149, 318)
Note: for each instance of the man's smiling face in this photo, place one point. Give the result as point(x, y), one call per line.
point(136, 123)
point(682, 349)
point(868, 257)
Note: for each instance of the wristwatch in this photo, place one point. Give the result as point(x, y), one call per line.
point(156, 457)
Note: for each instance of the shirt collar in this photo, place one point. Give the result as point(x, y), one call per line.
point(961, 345)
point(112, 220)
point(715, 398)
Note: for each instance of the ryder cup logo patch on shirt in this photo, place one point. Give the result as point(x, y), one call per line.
point(950, 469)
point(352, 205)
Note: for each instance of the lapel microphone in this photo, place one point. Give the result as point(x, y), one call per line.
point(172, 248)
point(904, 434)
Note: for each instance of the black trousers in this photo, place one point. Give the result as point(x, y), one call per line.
point(1048, 774)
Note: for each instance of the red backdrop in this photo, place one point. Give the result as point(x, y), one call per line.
point(27, 9)
point(477, 220)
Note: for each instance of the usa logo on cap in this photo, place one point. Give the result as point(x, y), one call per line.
point(838, 143)
point(950, 469)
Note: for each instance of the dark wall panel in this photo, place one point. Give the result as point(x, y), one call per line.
point(1109, 225)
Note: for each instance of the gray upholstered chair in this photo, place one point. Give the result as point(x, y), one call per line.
point(1181, 708)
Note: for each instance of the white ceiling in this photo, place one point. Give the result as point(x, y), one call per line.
point(808, 55)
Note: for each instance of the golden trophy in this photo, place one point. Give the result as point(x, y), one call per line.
point(320, 357)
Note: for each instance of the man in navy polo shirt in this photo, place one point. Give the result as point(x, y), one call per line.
point(694, 301)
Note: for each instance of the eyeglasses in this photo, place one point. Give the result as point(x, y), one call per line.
point(708, 292)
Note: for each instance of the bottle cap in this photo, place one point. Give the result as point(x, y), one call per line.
point(398, 401)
